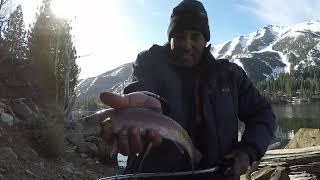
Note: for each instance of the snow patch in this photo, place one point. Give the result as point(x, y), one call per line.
point(260, 33)
point(285, 61)
point(115, 73)
point(243, 41)
point(215, 49)
point(266, 75)
point(80, 83)
point(91, 84)
point(237, 61)
point(277, 70)
point(232, 46)
point(250, 38)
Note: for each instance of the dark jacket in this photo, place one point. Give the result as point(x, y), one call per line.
point(226, 95)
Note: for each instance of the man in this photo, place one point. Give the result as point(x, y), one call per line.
point(206, 96)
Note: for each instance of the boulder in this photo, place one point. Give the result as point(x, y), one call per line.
point(3, 171)
point(21, 109)
point(27, 153)
point(7, 155)
point(68, 168)
point(6, 118)
point(3, 107)
point(305, 137)
point(88, 148)
point(75, 138)
point(75, 125)
point(106, 152)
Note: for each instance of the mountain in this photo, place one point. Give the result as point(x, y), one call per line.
point(113, 81)
point(264, 53)
point(274, 49)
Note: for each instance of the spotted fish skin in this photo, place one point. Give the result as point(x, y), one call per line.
point(143, 119)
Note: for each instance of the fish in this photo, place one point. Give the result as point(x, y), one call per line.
point(143, 119)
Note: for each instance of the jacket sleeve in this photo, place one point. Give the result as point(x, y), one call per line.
point(257, 114)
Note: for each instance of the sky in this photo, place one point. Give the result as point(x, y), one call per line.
point(109, 33)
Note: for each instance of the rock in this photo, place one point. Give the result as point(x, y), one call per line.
point(1, 177)
point(93, 139)
point(246, 176)
point(38, 165)
point(280, 173)
point(41, 165)
point(107, 153)
point(32, 151)
point(7, 155)
point(78, 173)
point(21, 109)
point(83, 155)
point(75, 138)
point(7, 118)
point(93, 149)
point(10, 139)
point(31, 173)
point(3, 171)
point(88, 148)
point(305, 137)
point(67, 167)
point(3, 107)
point(263, 174)
point(26, 153)
point(75, 125)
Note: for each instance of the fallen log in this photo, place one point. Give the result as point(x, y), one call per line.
point(296, 160)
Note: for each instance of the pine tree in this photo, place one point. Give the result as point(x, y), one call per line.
point(52, 50)
point(15, 36)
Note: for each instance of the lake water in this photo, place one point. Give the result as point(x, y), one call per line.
point(289, 119)
point(292, 117)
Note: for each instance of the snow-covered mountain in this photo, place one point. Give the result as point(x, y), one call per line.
point(273, 49)
point(112, 81)
point(266, 52)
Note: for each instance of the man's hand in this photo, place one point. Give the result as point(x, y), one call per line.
point(241, 162)
point(130, 140)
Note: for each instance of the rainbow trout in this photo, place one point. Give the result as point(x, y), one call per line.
point(143, 119)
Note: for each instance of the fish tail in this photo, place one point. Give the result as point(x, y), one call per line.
point(197, 156)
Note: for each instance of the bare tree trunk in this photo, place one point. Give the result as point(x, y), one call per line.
point(66, 85)
point(68, 104)
point(56, 65)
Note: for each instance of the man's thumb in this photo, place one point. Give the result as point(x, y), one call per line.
point(114, 100)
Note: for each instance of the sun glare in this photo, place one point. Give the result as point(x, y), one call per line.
point(101, 28)
point(65, 8)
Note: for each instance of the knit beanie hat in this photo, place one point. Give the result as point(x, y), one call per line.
point(189, 15)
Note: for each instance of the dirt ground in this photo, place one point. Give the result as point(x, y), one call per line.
point(19, 160)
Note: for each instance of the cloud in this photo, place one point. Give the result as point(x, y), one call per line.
point(283, 12)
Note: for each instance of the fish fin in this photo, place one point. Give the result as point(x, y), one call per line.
point(197, 156)
point(145, 155)
point(113, 149)
point(179, 147)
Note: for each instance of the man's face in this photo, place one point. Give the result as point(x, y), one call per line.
point(187, 47)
